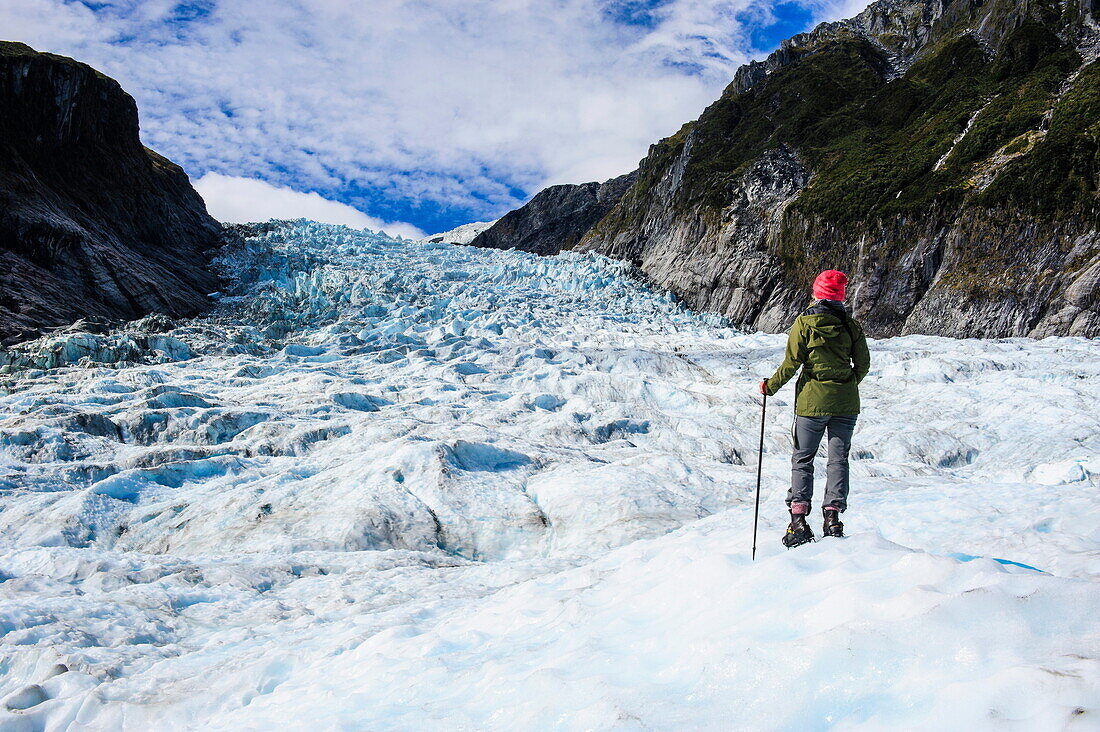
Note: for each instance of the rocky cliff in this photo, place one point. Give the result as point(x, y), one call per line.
point(945, 153)
point(91, 222)
point(556, 218)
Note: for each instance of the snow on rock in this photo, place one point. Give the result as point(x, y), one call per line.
point(460, 235)
point(443, 486)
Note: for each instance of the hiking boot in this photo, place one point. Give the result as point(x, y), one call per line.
point(798, 532)
point(832, 525)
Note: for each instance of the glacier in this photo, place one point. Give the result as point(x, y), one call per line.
point(392, 484)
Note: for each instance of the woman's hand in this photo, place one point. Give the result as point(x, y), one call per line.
point(764, 387)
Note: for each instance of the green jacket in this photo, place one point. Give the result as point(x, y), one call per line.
point(832, 351)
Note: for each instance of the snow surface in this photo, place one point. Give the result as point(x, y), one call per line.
point(460, 235)
point(402, 485)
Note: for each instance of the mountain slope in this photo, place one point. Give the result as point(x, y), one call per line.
point(91, 222)
point(556, 218)
point(945, 154)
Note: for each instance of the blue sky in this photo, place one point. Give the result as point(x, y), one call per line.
point(415, 115)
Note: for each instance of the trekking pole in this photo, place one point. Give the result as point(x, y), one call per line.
point(759, 465)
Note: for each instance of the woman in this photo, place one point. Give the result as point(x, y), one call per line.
point(832, 350)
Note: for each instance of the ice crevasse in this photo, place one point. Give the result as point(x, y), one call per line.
point(398, 485)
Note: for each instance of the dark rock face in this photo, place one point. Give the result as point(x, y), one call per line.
point(91, 222)
point(556, 218)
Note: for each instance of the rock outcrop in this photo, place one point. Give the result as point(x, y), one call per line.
point(92, 224)
point(556, 218)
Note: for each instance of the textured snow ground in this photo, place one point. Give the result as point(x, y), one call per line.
point(397, 485)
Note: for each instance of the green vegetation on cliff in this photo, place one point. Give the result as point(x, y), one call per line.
point(887, 163)
point(797, 106)
point(881, 148)
point(874, 145)
point(1063, 167)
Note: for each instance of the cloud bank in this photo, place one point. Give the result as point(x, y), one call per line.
point(430, 111)
point(241, 200)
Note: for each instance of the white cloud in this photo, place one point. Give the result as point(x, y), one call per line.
point(444, 103)
point(242, 200)
point(826, 11)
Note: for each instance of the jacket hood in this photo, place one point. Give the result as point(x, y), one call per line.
point(822, 328)
point(825, 321)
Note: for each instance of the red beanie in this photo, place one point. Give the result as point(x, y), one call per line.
point(829, 285)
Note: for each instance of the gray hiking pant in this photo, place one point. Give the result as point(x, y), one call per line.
point(807, 436)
